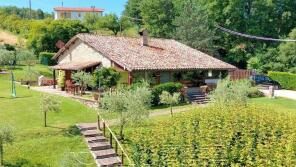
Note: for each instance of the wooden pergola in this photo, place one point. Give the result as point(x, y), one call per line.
point(73, 66)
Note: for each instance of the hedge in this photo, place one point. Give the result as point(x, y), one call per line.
point(170, 87)
point(287, 80)
point(45, 58)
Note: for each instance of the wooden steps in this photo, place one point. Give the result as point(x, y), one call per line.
point(99, 146)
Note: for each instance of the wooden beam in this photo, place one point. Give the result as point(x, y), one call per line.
point(130, 78)
point(54, 79)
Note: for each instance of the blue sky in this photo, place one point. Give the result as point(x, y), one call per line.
point(110, 6)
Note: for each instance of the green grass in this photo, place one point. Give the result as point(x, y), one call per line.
point(34, 143)
point(20, 71)
point(279, 104)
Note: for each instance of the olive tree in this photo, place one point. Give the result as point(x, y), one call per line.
point(6, 136)
point(131, 104)
point(170, 99)
point(6, 57)
point(49, 104)
point(84, 79)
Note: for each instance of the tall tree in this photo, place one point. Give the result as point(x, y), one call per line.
point(194, 27)
point(133, 10)
point(288, 53)
point(158, 16)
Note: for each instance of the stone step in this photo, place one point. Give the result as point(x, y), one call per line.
point(111, 161)
point(101, 154)
point(99, 146)
point(94, 139)
point(91, 133)
point(87, 126)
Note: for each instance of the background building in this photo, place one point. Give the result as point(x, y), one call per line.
point(75, 13)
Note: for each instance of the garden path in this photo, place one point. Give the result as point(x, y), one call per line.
point(283, 93)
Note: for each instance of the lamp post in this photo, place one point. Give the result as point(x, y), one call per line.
point(13, 90)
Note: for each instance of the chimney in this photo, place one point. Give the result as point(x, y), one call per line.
point(144, 34)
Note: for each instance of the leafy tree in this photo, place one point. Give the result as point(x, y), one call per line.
point(6, 57)
point(194, 27)
point(91, 20)
point(287, 52)
point(132, 104)
point(265, 61)
point(167, 98)
point(6, 136)
point(158, 16)
point(84, 79)
point(29, 59)
point(231, 93)
point(133, 10)
point(106, 77)
point(43, 37)
point(49, 104)
point(113, 23)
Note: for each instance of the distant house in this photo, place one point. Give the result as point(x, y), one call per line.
point(75, 13)
point(153, 59)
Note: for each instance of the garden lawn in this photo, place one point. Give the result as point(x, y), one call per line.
point(36, 145)
point(279, 104)
point(20, 71)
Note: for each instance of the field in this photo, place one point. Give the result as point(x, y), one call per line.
point(262, 134)
point(34, 144)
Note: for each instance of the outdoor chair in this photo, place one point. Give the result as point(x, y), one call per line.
point(69, 86)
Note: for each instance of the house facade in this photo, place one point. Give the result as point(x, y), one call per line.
point(75, 13)
point(152, 59)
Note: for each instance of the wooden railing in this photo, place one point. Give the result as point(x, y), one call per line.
point(112, 137)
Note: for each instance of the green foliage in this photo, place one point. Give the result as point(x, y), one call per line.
point(254, 92)
point(45, 58)
point(24, 13)
point(6, 57)
point(132, 104)
point(167, 98)
point(287, 80)
point(194, 27)
point(27, 57)
point(49, 104)
point(61, 79)
point(287, 52)
point(231, 93)
point(6, 136)
point(252, 136)
point(158, 17)
point(43, 37)
point(84, 79)
point(113, 23)
point(106, 77)
point(158, 89)
point(132, 9)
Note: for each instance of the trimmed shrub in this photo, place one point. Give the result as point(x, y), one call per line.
point(287, 80)
point(170, 87)
point(45, 58)
point(254, 92)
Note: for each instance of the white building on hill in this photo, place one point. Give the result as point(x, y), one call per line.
point(75, 13)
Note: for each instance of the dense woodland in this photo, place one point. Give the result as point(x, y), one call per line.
point(193, 22)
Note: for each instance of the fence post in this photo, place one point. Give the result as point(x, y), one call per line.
point(104, 128)
point(116, 147)
point(99, 124)
point(111, 139)
point(122, 157)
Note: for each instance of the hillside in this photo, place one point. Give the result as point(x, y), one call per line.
point(8, 38)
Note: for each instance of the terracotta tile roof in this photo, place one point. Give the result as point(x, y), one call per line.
point(161, 54)
point(75, 65)
point(78, 9)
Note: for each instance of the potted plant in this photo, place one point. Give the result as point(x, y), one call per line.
point(61, 80)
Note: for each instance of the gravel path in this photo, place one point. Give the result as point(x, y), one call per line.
point(283, 93)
